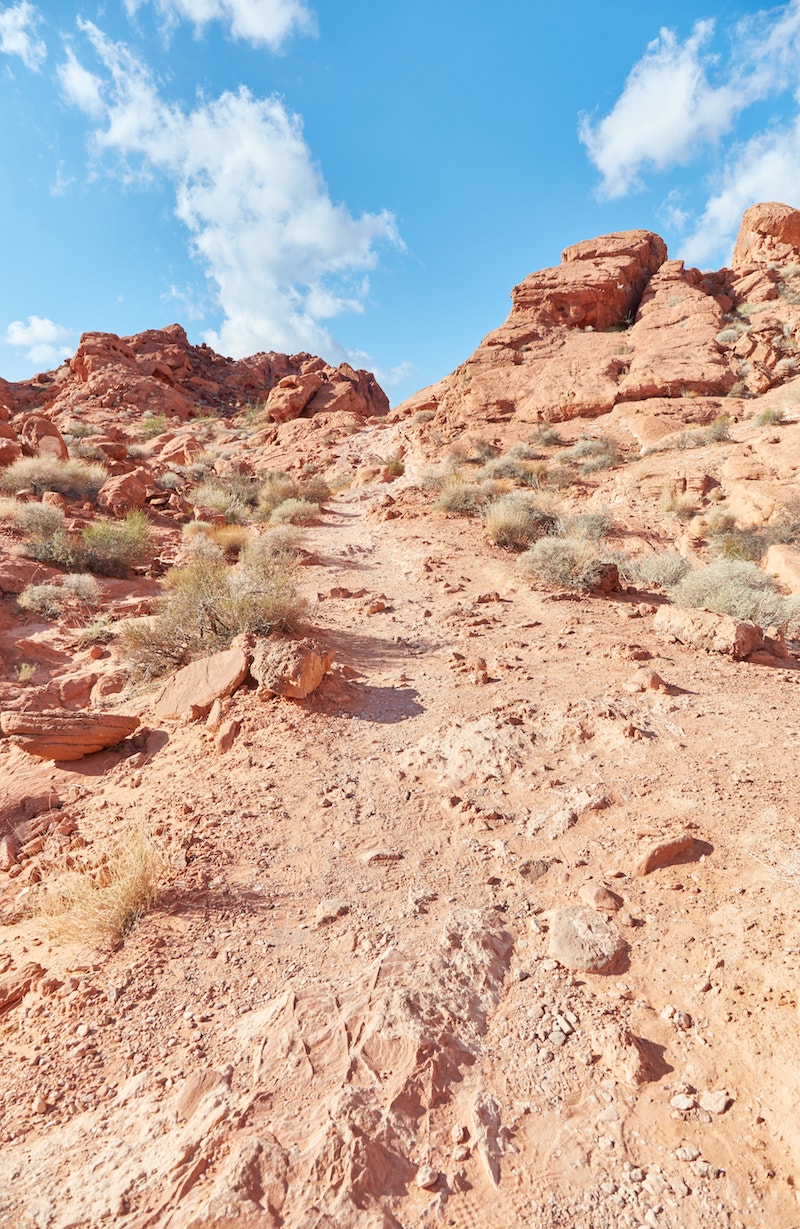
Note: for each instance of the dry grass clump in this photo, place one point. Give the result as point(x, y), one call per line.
point(564, 563)
point(113, 548)
point(522, 470)
point(73, 479)
point(210, 602)
point(79, 594)
point(295, 512)
point(462, 497)
point(681, 504)
point(664, 568)
point(514, 523)
point(740, 589)
point(770, 417)
point(234, 496)
point(104, 903)
point(591, 455)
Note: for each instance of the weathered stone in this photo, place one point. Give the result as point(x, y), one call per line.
point(227, 733)
point(716, 1102)
point(66, 736)
point(328, 911)
point(8, 851)
point(703, 629)
point(290, 668)
point(41, 438)
point(783, 562)
point(769, 232)
point(199, 684)
point(14, 985)
point(583, 942)
point(122, 494)
point(599, 897)
point(662, 854)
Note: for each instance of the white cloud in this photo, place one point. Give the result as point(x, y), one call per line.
point(669, 110)
point(282, 255)
point(261, 22)
point(18, 26)
point(665, 110)
point(80, 88)
point(765, 168)
point(41, 339)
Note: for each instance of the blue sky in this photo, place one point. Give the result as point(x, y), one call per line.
point(361, 180)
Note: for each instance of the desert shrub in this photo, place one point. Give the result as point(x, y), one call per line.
point(524, 472)
point(315, 489)
point(157, 424)
point(275, 487)
point(719, 521)
point(73, 479)
point(591, 454)
point(558, 477)
point(563, 563)
point(480, 449)
point(719, 429)
point(105, 902)
point(39, 520)
point(664, 568)
point(112, 548)
point(587, 525)
point(463, 498)
point(770, 417)
point(423, 416)
point(295, 512)
point(80, 592)
point(514, 524)
point(210, 602)
point(731, 333)
point(10, 509)
point(232, 495)
point(395, 468)
point(546, 434)
point(737, 588)
point(681, 504)
point(747, 544)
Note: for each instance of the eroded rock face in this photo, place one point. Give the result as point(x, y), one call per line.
point(584, 942)
point(159, 372)
point(617, 322)
point(290, 668)
point(703, 629)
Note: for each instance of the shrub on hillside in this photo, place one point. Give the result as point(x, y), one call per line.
point(79, 593)
point(462, 498)
point(564, 563)
point(295, 512)
point(73, 479)
point(664, 568)
point(209, 603)
point(513, 523)
point(740, 589)
point(113, 548)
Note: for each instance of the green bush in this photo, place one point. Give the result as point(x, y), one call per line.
point(770, 417)
point(73, 479)
point(40, 521)
point(112, 548)
point(234, 496)
point(209, 603)
point(736, 588)
point(274, 488)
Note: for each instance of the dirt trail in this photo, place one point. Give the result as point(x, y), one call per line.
point(344, 1011)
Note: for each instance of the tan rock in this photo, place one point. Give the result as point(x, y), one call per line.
point(226, 735)
point(290, 668)
point(291, 395)
point(122, 494)
point(583, 942)
point(783, 562)
point(41, 438)
point(769, 232)
point(16, 984)
point(66, 736)
point(599, 897)
point(199, 684)
point(703, 629)
point(662, 854)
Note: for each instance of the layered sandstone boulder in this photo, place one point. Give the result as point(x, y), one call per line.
point(66, 736)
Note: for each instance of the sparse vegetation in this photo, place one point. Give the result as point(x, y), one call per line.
point(210, 602)
point(113, 548)
point(771, 417)
point(462, 498)
point(79, 593)
point(295, 512)
point(423, 416)
point(592, 455)
point(106, 902)
point(157, 424)
point(681, 504)
point(72, 478)
point(663, 568)
point(564, 563)
point(514, 523)
point(740, 589)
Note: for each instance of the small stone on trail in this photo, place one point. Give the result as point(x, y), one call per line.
point(600, 897)
point(227, 734)
point(662, 854)
point(716, 1102)
point(329, 910)
point(427, 1177)
point(583, 942)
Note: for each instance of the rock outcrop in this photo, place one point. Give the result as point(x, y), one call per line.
point(618, 322)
